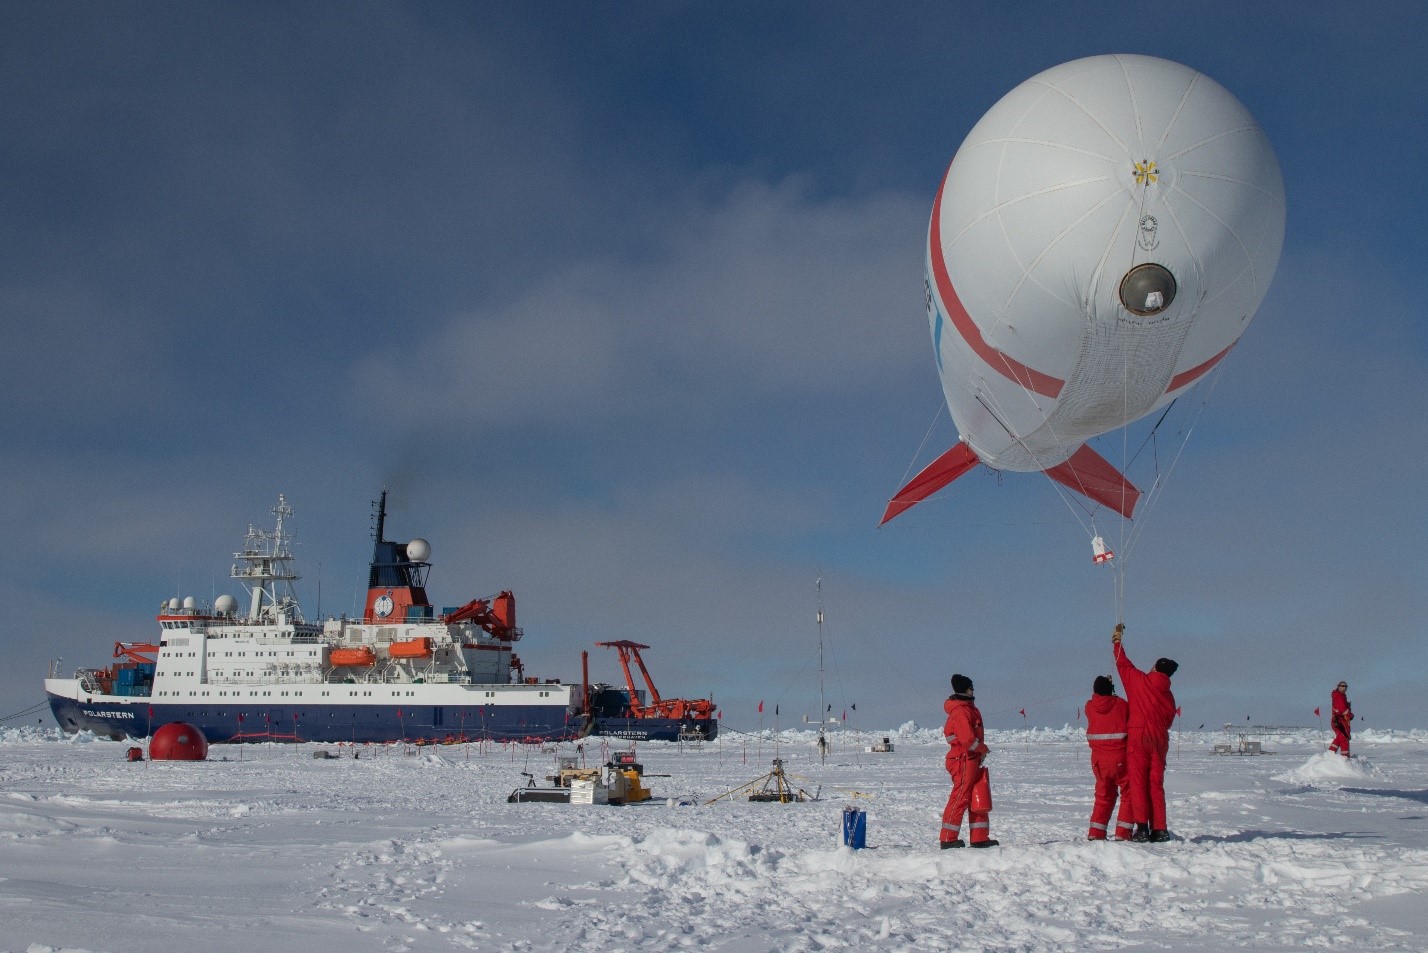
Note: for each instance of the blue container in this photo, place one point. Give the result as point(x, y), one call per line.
point(855, 828)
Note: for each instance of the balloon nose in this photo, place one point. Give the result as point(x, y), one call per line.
point(1147, 289)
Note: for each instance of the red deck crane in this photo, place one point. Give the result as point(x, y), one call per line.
point(681, 708)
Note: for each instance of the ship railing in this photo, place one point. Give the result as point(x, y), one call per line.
point(448, 678)
point(313, 678)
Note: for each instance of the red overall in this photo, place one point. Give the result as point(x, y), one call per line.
point(1106, 719)
point(965, 751)
point(1340, 715)
point(1152, 709)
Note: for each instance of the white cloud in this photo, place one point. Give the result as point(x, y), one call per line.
point(766, 293)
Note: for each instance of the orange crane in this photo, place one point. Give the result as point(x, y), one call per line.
point(680, 708)
point(136, 651)
point(497, 616)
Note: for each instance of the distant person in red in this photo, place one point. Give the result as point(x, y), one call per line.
point(965, 751)
point(1106, 719)
point(1340, 714)
point(1152, 709)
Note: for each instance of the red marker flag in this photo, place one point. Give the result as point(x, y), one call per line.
point(1179, 711)
point(1316, 714)
point(761, 707)
point(1023, 713)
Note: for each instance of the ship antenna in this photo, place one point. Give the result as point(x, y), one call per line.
point(822, 720)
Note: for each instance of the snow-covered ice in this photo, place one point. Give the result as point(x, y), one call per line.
point(417, 849)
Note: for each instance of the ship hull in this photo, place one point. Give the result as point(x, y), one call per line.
point(656, 729)
point(135, 718)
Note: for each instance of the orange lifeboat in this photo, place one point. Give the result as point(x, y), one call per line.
point(358, 656)
point(412, 648)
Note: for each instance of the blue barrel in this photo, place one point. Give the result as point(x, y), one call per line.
point(855, 828)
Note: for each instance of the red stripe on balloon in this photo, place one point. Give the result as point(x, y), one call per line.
point(1180, 380)
point(1030, 378)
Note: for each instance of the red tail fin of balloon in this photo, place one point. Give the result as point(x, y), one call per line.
point(1088, 473)
point(933, 477)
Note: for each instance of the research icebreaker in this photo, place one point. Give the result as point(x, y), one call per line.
point(404, 671)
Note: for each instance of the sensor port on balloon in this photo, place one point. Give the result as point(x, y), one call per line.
point(1147, 289)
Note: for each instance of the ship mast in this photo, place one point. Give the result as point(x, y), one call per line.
point(265, 570)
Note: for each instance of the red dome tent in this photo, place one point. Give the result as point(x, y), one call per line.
point(178, 741)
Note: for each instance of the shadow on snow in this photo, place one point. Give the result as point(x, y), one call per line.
point(1420, 796)
point(1246, 836)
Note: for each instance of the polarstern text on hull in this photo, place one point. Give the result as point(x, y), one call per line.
point(402, 672)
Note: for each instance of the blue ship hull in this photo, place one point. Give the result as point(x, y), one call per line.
point(655, 729)
point(327, 723)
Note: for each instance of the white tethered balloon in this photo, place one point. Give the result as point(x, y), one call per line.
point(1100, 241)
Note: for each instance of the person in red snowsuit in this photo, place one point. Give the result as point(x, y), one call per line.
point(1152, 709)
point(965, 751)
point(1106, 719)
point(1340, 714)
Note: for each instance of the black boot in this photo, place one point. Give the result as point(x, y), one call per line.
point(1158, 837)
point(985, 843)
point(947, 844)
point(1142, 833)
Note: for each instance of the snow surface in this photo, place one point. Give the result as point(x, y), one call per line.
point(417, 849)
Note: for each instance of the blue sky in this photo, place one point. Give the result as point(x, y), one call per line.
point(622, 302)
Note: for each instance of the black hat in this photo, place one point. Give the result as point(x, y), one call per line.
point(961, 684)
point(1103, 685)
point(1166, 667)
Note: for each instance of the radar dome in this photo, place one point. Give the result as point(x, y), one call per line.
point(190, 602)
point(174, 604)
point(225, 605)
point(418, 550)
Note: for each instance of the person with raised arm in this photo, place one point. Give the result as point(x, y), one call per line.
point(1152, 710)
